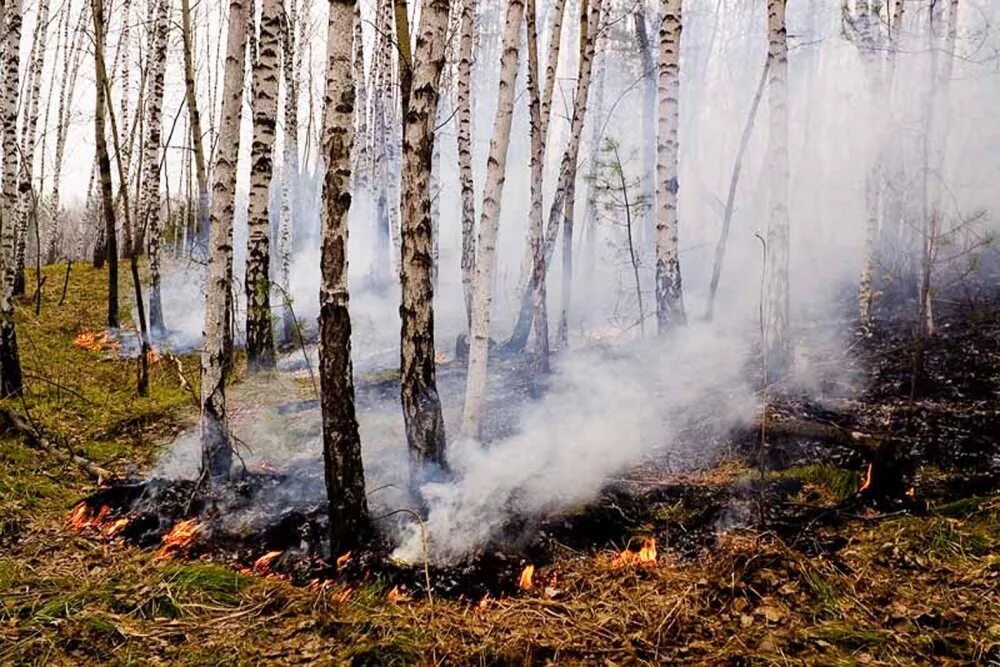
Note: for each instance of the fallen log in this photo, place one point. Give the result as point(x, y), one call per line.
point(12, 422)
point(825, 431)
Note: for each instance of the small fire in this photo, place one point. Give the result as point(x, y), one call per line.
point(115, 527)
point(180, 537)
point(485, 603)
point(152, 357)
point(866, 479)
point(95, 341)
point(441, 357)
point(911, 492)
point(342, 560)
point(645, 557)
point(527, 580)
point(396, 595)
point(262, 565)
point(81, 516)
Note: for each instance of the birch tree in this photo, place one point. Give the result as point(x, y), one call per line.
point(26, 207)
point(260, 336)
point(194, 115)
point(464, 112)
point(669, 294)
point(345, 479)
point(217, 452)
point(289, 160)
point(777, 343)
point(10, 360)
point(156, 66)
point(418, 387)
point(537, 166)
point(104, 163)
point(489, 223)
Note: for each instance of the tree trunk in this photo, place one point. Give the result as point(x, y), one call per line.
point(156, 65)
point(648, 113)
point(217, 453)
point(421, 403)
point(567, 170)
point(463, 83)
point(10, 360)
point(777, 343)
point(345, 478)
point(669, 292)
point(260, 336)
point(25, 195)
point(196, 131)
point(104, 164)
point(489, 224)
point(71, 68)
point(290, 166)
point(537, 165)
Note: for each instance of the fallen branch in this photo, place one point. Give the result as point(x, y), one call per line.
point(11, 421)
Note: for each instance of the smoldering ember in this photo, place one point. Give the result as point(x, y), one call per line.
point(500, 332)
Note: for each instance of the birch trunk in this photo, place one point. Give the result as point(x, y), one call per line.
point(10, 360)
point(217, 453)
point(25, 196)
point(156, 65)
point(71, 68)
point(360, 155)
point(104, 164)
point(669, 293)
point(345, 479)
point(648, 113)
point(260, 336)
point(777, 343)
point(464, 89)
point(290, 165)
point(489, 224)
point(191, 99)
point(419, 396)
point(381, 136)
point(537, 165)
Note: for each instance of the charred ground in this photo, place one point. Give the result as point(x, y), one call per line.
point(772, 553)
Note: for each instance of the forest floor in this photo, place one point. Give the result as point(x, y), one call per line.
point(849, 585)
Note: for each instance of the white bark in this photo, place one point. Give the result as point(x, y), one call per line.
point(489, 224)
point(669, 293)
point(216, 447)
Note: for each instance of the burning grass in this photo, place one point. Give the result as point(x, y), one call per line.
point(658, 571)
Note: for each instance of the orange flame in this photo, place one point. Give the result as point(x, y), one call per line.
point(180, 537)
point(441, 357)
point(262, 565)
point(866, 479)
point(485, 603)
point(645, 557)
point(115, 527)
point(342, 560)
point(81, 516)
point(911, 492)
point(396, 595)
point(95, 341)
point(527, 581)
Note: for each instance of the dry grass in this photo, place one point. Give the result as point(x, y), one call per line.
point(902, 590)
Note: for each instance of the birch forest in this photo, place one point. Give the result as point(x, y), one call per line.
point(508, 332)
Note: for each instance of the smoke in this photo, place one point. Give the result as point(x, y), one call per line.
point(608, 409)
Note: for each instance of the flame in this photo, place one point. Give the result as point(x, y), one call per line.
point(911, 492)
point(115, 527)
point(485, 603)
point(95, 341)
point(441, 357)
point(866, 479)
point(526, 581)
point(152, 357)
point(396, 595)
point(262, 565)
point(342, 560)
point(645, 557)
point(180, 537)
point(265, 466)
point(81, 516)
